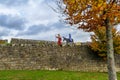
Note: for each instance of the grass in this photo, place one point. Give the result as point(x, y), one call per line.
point(52, 75)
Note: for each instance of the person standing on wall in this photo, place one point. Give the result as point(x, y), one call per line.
point(70, 38)
point(59, 42)
point(71, 42)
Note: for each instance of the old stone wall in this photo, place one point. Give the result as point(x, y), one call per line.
point(23, 54)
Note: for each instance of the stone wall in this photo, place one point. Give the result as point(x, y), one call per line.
point(23, 54)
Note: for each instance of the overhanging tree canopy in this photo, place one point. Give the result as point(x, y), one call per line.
point(91, 14)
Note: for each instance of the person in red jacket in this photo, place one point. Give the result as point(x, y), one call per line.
point(59, 42)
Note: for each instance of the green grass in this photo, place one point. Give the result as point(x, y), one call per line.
point(52, 75)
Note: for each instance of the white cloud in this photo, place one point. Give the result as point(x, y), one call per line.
point(38, 15)
point(8, 11)
point(37, 12)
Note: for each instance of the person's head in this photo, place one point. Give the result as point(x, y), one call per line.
point(69, 35)
point(58, 35)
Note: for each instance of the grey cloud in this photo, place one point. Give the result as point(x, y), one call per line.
point(13, 2)
point(39, 28)
point(4, 33)
point(35, 29)
point(59, 25)
point(11, 22)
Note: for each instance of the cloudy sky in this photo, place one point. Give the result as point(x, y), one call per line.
point(34, 19)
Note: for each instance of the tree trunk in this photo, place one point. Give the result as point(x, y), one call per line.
point(110, 52)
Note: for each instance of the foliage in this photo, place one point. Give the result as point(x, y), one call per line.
point(3, 41)
point(90, 14)
point(98, 44)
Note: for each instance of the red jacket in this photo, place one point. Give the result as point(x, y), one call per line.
point(59, 42)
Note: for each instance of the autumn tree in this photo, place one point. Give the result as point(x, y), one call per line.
point(98, 44)
point(90, 14)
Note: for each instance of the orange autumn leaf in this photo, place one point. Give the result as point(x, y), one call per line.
point(98, 44)
point(89, 13)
